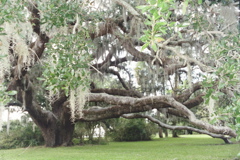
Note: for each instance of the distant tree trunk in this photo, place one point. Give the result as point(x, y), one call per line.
point(160, 132)
point(189, 132)
point(8, 121)
point(174, 134)
point(81, 141)
point(165, 131)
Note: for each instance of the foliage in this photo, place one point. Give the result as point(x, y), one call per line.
point(158, 13)
point(221, 78)
point(132, 130)
point(195, 147)
point(11, 12)
point(71, 51)
point(224, 81)
point(21, 135)
point(4, 98)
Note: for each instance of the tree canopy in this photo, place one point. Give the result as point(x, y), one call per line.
point(83, 60)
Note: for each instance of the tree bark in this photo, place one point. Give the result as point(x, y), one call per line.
point(56, 126)
point(56, 134)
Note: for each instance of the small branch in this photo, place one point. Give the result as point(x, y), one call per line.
point(119, 77)
point(76, 24)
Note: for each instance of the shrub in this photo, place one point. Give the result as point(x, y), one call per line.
point(132, 130)
point(20, 136)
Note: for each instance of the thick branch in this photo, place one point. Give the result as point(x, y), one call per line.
point(35, 17)
point(194, 102)
point(159, 100)
point(98, 113)
point(184, 96)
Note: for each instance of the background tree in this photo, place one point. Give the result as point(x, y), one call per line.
point(190, 48)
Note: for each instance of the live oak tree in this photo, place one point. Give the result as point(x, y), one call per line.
point(58, 57)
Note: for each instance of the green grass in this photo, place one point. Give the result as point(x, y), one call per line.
point(185, 148)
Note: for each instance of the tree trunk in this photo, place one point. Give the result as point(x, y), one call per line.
point(56, 126)
point(59, 129)
point(58, 134)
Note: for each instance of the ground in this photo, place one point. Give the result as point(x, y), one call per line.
point(192, 147)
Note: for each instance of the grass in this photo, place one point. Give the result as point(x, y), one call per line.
point(193, 147)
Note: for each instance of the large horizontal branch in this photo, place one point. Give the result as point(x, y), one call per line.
point(133, 103)
point(161, 124)
point(96, 113)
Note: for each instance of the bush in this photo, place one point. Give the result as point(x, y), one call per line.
point(20, 136)
point(132, 130)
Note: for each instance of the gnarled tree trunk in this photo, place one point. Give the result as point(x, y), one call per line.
point(58, 132)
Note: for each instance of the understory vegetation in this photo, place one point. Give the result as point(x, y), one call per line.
point(21, 135)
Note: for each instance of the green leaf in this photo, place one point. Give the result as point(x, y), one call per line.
point(154, 47)
point(149, 23)
point(199, 1)
point(161, 23)
point(180, 34)
point(152, 2)
point(238, 120)
point(144, 8)
point(11, 93)
point(221, 85)
point(207, 85)
point(145, 46)
point(218, 94)
point(185, 4)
